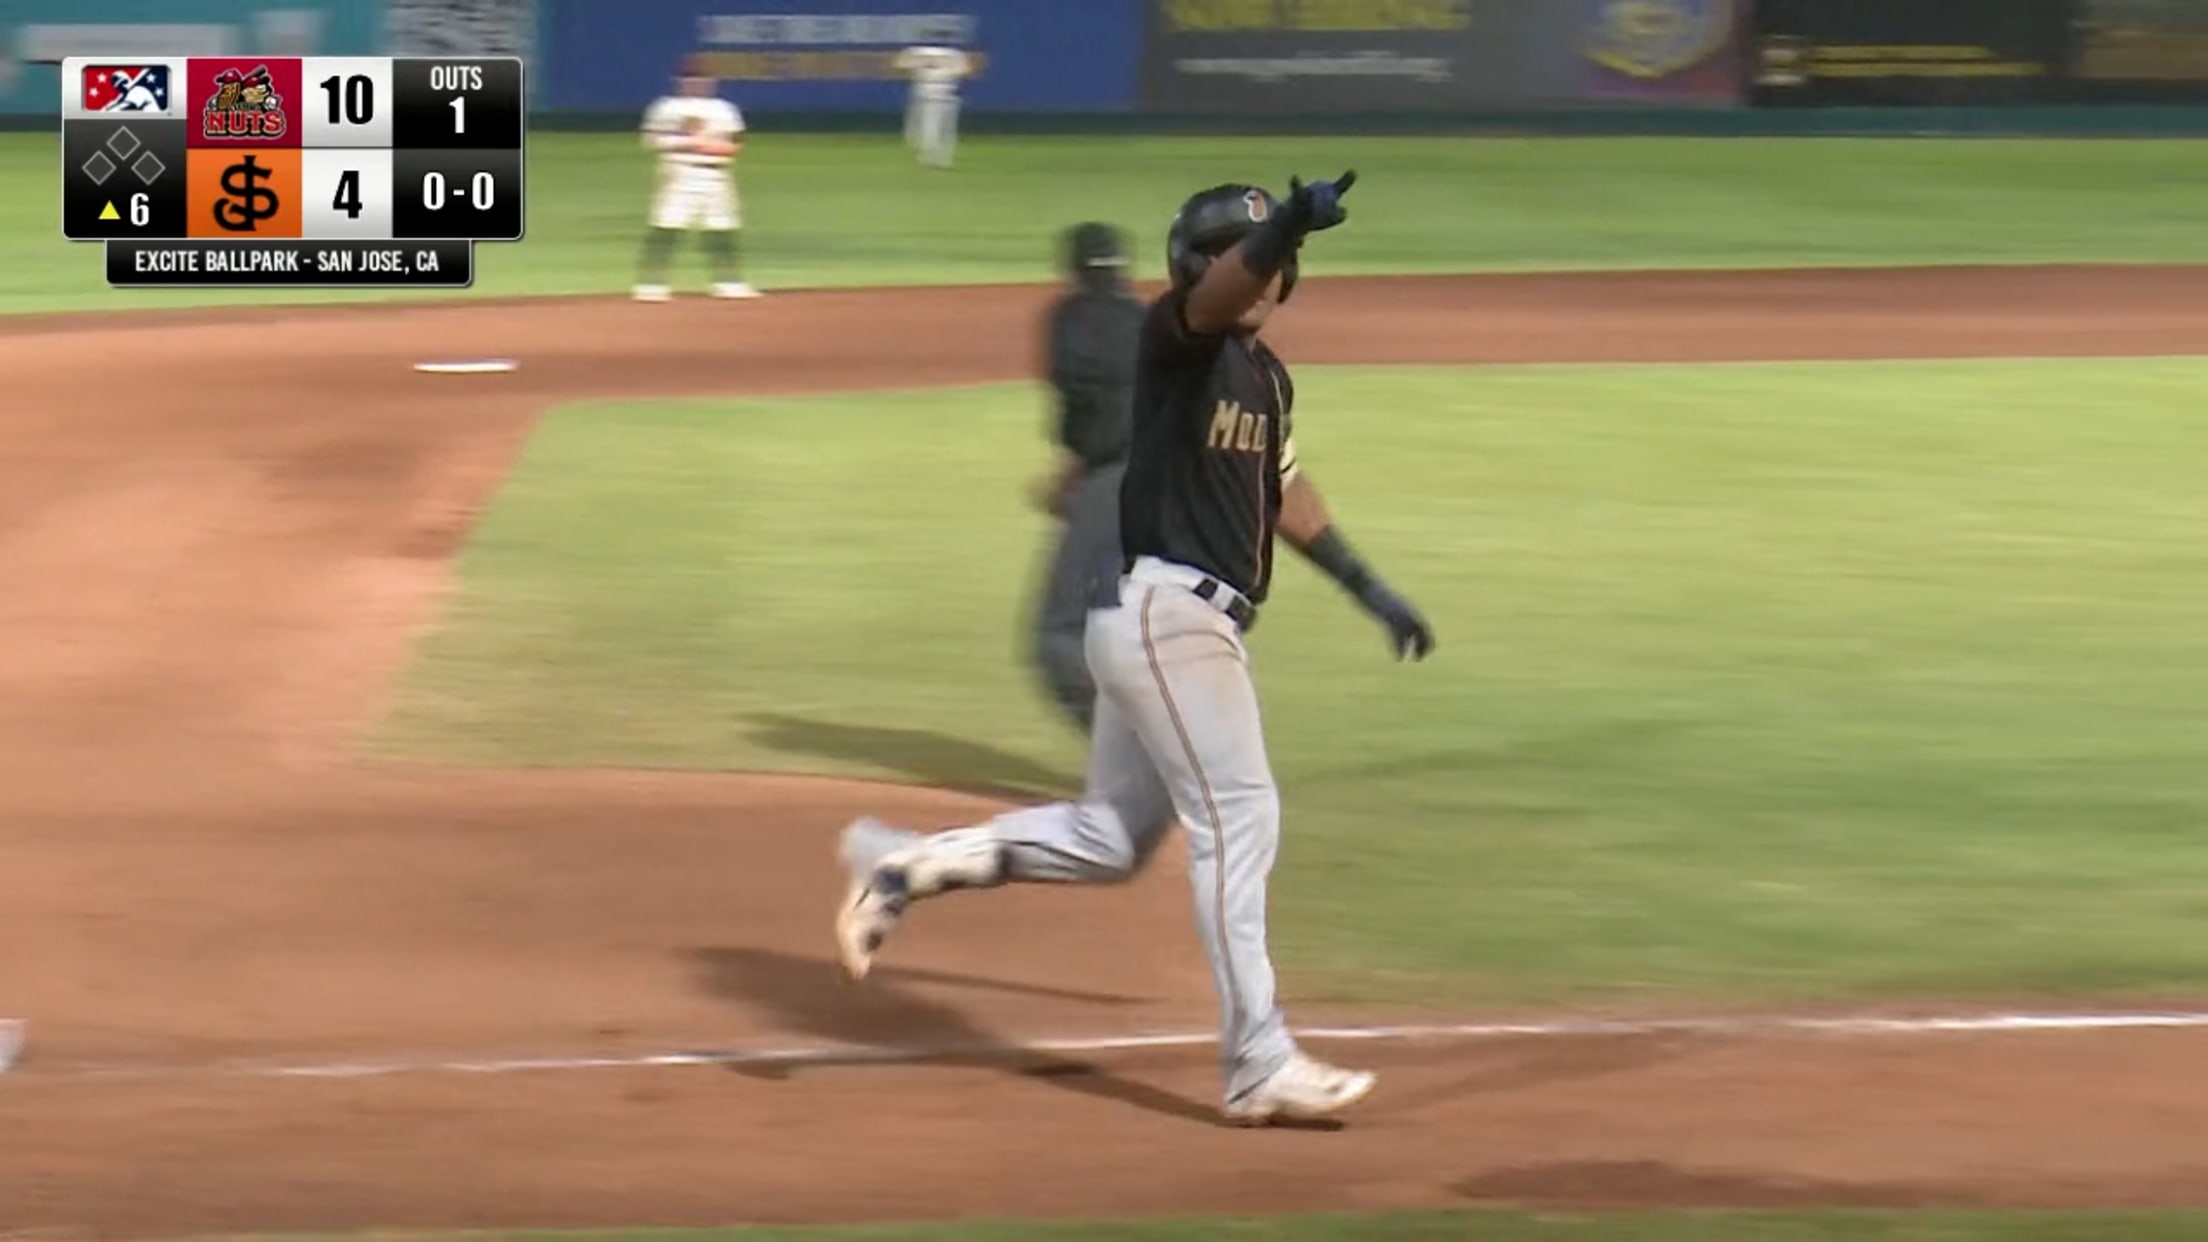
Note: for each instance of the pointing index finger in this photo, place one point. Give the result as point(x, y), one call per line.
point(1346, 180)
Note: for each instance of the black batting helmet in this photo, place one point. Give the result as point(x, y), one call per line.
point(1094, 246)
point(1213, 220)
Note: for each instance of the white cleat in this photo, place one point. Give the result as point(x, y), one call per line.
point(653, 293)
point(878, 895)
point(1303, 1089)
point(735, 289)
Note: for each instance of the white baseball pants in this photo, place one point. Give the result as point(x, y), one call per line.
point(693, 196)
point(931, 126)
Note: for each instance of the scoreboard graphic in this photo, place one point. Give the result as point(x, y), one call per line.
point(292, 171)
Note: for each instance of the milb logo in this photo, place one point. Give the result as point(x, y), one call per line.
point(125, 88)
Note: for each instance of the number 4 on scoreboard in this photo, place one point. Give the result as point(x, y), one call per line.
point(347, 199)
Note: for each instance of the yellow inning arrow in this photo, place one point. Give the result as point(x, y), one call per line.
point(109, 213)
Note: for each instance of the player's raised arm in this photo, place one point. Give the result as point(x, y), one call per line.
point(1233, 285)
point(1309, 529)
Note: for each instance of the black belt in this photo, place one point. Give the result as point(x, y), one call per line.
point(1238, 610)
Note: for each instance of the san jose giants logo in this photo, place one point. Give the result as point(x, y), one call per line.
point(244, 105)
point(1657, 38)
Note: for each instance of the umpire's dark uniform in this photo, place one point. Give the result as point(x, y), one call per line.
point(1091, 333)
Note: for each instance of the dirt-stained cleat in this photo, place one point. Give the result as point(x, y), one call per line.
point(1302, 1089)
point(877, 896)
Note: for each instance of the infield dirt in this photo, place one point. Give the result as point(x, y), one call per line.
point(218, 531)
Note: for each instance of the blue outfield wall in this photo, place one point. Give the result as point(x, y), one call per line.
point(829, 56)
point(1216, 57)
point(1094, 59)
point(1272, 66)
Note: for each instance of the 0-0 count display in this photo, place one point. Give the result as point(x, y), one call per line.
point(457, 193)
point(481, 190)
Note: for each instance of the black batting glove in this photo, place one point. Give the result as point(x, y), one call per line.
point(1408, 632)
point(1317, 205)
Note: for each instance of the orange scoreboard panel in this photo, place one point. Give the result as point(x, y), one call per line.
point(292, 171)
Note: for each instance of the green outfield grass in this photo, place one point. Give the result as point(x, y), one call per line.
point(1755, 682)
point(1484, 1226)
point(853, 210)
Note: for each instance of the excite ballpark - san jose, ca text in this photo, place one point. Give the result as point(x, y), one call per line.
point(394, 259)
point(443, 264)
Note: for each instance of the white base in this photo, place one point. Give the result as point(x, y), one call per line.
point(489, 366)
point(735, 289)
point(653, 293)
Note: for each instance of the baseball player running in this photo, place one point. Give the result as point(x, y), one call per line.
point(1090, 337)
point(931, 110)
point(697, 135)
point(1211, 476)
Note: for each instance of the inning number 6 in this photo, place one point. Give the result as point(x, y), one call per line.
point(140, 210)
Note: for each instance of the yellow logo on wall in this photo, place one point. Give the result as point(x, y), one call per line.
point(1657, 38)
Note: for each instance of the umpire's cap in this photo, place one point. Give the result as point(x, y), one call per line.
point(1094, 246)
point(1213, 220)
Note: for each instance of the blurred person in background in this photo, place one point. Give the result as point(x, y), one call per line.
point(697, 135)
point(1089, 340)
point(931, 110)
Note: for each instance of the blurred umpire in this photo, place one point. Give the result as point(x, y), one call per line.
point(1090, 335)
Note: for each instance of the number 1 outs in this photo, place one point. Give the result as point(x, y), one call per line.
point(452, 104)
point(456, 78)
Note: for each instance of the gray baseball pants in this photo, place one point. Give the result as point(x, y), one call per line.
point(1176, 738)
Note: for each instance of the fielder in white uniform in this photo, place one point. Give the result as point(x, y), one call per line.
point(931, 111)
point(697, 135)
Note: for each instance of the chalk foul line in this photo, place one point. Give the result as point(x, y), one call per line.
point(770, 1058)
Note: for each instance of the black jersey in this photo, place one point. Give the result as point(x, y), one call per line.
point(1211, 447)
point(1091, 336)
